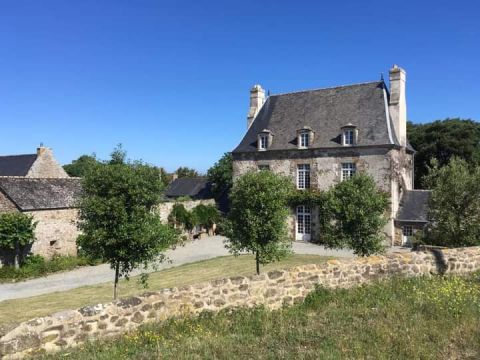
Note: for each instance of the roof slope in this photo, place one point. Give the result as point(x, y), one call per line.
point(414, 206)
point(41, 194)
point(16, 165)
point(325, 111)
point(196, 188)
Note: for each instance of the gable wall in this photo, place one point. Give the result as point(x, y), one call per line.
point(46, 166)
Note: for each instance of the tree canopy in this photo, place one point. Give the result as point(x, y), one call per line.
point(17, 230)
point(352, 215)
point(221, 175)
point(454, 206)
point(80, 167)
point(184, 171)
point(258, 214)
point(116, 217)
point(442, 140)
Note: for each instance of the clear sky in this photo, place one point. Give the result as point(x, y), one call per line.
point(170, 80)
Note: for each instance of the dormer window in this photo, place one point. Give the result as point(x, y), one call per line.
point(349, 135)
point(304, 137)
point(264, 140)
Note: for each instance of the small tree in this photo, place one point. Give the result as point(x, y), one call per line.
point(116, 217)
point(221, 175)
point(258, 216)
point(181, 217)
point(16, 232)
point(454, 204)
point(206, 216)
point(352, 215)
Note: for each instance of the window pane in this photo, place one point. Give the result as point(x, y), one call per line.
point(303, 176)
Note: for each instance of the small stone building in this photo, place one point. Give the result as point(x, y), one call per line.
point(412, 215)
point(37, 185)
point(323, 136)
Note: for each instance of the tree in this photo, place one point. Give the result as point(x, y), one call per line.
point(116, 217)
point(352, 215)
point(221, 176)
point(181, 217)
point(16, 232)
point(79, 167)
point(258, 216)
point(454, 206)
point(442, 140)
point(184, 171)
point(205, 216)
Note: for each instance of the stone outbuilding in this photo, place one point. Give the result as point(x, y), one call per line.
point(412, 215)
point(36, 184)
point(323, 136)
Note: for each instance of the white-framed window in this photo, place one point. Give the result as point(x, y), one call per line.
point(407, 230)
point(263, 141)
point(348, 137)
point(263, 167)
point(348, 170)
point(304, 220)
point(304, 139)
point(303, 176)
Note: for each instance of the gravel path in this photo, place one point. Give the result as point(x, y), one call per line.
point(90, 275)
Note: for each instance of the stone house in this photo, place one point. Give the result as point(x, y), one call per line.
point(37, 185)
point(323, 136)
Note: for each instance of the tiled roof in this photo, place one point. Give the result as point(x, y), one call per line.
point(41, 194)
point(196, 188)
point(414, 206)
point(16, 165)
point(325, 111)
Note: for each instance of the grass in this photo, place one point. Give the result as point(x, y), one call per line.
point(420, 318)
point(36, 266)
point(17, 310)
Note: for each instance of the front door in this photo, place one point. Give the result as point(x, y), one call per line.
point(304, 223)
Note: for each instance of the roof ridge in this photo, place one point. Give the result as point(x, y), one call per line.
point(4, 156)
point(327, 88)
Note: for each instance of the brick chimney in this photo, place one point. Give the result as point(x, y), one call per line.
point(257, 99)
point(398, 103)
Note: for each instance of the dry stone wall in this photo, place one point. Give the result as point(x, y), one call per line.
point(273, 289)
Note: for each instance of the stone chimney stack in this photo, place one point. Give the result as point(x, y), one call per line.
point(398, 103)
point(257, 99)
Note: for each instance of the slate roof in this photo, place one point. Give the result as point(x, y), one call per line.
point(325, 111)
point(41, 194)
point(414, 206)
point(16, 165)
point(196, 188)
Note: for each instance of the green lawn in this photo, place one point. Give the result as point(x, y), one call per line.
point(14, 311)
point(421, 318)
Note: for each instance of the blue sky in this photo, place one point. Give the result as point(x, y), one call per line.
point(170, 80)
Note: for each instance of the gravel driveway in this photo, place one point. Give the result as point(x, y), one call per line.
point(207, 248)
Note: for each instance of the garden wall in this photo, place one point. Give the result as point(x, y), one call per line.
point(273, 289)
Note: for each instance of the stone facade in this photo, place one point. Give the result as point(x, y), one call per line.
point(273, 289)
point(46, 166)
point(5, 204)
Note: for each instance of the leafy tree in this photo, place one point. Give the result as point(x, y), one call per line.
point(442, 140)
point(16, 232)
point(352, 215)
point(221, 175)
point(184, 171)
point(116, 217)
point(79, 167)
point(258, 216)
point(206, 215)
point(179, 216)
point(454, 206)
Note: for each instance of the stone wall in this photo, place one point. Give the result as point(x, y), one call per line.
point(273, 289)
point(5, 204)
point(165, 208)
point(56, 232)
point(46, 166)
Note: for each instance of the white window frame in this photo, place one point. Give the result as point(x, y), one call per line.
point(303, 176)
point(263, 142)
point(349, 137)
point(407, 230)
point(304, 140)
point(349, 169)
point(303, 229)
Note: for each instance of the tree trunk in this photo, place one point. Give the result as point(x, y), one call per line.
point(117, 270)
point(257, 260)
point(17, 255)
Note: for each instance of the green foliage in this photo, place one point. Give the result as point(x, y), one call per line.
point(454, 206)
point(352, 216)
point(17, 230)
point(307, 197)
point(183, 198)
point(442, 140)
point(116, 217)
point(221, 175)
point(179, 216)
point(81, 166)
point(258, 214)
point(205, 215)
point(34, 266)
point(184, 171)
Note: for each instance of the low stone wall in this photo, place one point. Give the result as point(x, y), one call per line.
point(272, 289)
